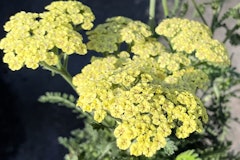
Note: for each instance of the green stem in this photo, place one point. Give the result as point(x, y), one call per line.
point(165, 8)
point(199, 12)
point(65, 61)
point(215, 22)
point(106, 150)
point(67, 77)
point(152, 6)
point(230, 33)
point(176, 7)
point(61, 71)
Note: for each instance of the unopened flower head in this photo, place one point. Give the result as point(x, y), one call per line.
point(33, 38)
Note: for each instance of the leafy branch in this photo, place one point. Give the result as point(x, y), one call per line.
point(188, 155)
point(61, 99)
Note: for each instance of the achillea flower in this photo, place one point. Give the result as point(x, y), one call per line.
point(107, 37)
point(134, 91)
point(135, 31)
point(147, 48)
point(150, 92)
point(32, 38)
point(188, 78)
point(73, 12)
point(173, 61)
point(193, 37)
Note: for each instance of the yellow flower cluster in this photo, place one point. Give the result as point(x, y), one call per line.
point(72, 12)
point(192, 37)
point(33, 38)
point(173, 62)
point(148, 90)
point(152, 93)
point(135, 31)
point(195, 78)
point(151, 46)
point(107, 37)
point(135, 91)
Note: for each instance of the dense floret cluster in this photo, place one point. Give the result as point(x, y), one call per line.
point(148, 88)
point(138, 95)
point(33, 38)
point(193, 37)
point(107, 37)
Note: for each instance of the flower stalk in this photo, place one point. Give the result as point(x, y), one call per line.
point(165, 8)
point(199, 12)
point(61, 71)
point(152, 6)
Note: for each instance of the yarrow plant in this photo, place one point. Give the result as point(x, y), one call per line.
point(140, 96)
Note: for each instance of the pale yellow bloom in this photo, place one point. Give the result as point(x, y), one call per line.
point(34, 38)
point(193, 37)
point(135, 90)
point(107, 37)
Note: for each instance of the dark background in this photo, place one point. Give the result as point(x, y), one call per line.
point(29, 129)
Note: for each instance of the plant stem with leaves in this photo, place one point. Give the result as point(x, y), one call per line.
point(60, 69)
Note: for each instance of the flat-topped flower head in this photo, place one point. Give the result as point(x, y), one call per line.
point(72, 12)
point(149, 47)
point(173, 61)
point(148, 89)
point(187, 79)
point(34, 38)
point(135, 31)
point(192, 37)
point(22, 21)
point(135, 91)
point(107, 37)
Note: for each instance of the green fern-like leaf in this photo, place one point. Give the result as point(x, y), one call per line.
point(170, 148)
point(61, 99)
point(184, 9)
point(201, 9)
point(219, 152)
point(232, 12)
point(97, 126)
point(235, 39)
point(188, 155)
